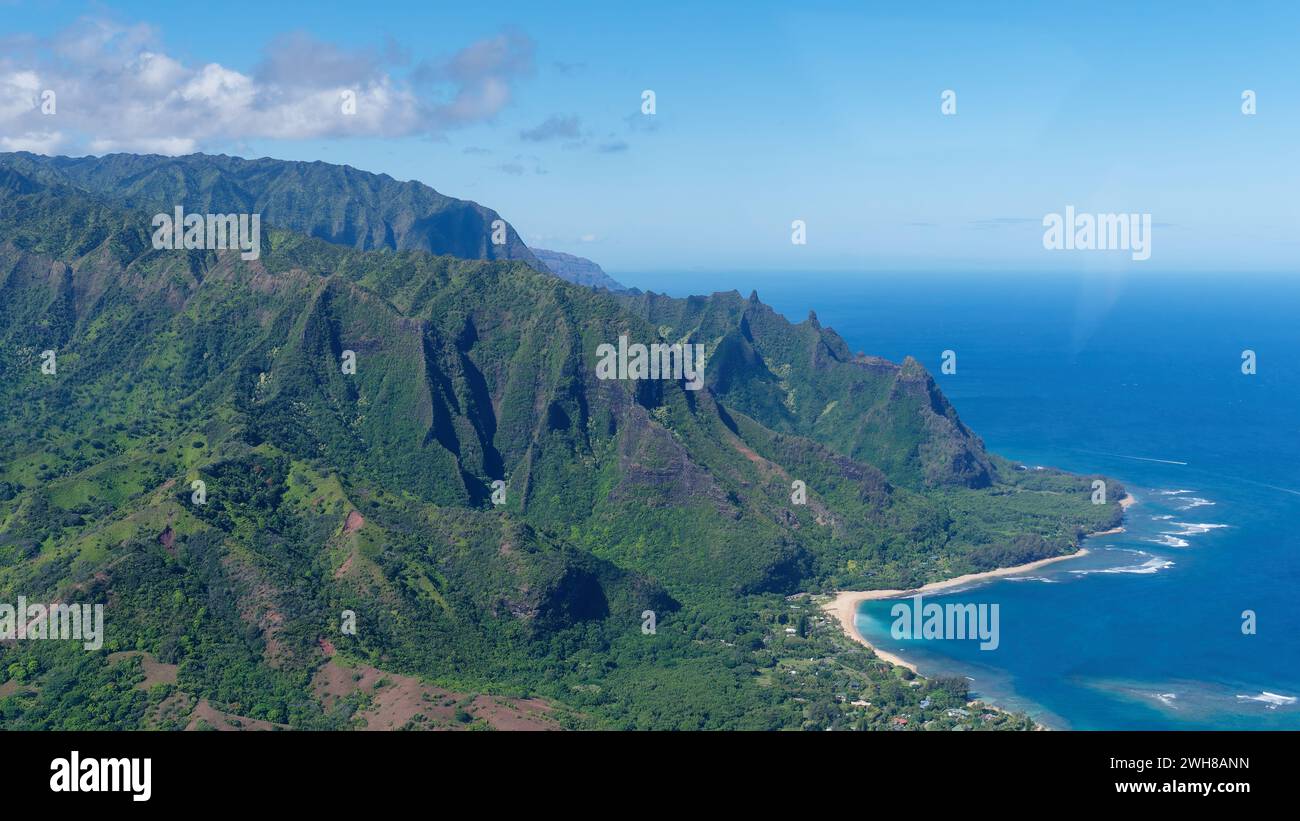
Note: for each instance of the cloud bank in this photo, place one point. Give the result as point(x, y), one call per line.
point(101, 86)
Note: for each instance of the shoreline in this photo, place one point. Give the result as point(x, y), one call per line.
point(1124, 504)
point(843, 606)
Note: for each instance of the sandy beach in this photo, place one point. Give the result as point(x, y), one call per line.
point(1125, 503)
point(844, 606)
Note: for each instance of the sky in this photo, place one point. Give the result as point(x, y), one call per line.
point(765, 113)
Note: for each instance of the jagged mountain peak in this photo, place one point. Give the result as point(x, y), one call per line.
point(424, 440)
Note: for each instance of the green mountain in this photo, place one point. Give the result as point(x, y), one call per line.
point(803, 380)
point(495, 517)
point(336, 203)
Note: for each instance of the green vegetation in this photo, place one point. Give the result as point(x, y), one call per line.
point(371, 492)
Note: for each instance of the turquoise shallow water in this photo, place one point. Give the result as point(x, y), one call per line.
point(1100, 373)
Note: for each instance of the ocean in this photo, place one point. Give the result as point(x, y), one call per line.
point(1138, 377)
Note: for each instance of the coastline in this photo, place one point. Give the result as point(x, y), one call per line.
point(1124, 504)
point(843, 606)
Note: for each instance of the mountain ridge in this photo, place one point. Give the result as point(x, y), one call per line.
point(578, 270)
point(621, 497)
point(378, 211)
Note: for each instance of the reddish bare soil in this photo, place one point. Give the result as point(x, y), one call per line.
point(172, 713)
point(155, 672)
point(749, 453)
point(226, 722)
point(354, 522)
point(259, 605)
point(399, 702)
point(168, 540)
point(10, 687)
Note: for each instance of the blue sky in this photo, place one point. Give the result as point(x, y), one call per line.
point(766, 113)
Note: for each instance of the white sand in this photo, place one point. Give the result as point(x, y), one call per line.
point(844, 606)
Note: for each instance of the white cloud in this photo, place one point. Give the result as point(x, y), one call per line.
point(171, 146)
point(46, 142)
point(157, 71)
point(19, 93)
point(479, 77)
point(117, 89)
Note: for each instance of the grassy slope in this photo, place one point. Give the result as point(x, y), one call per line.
point(622, 496)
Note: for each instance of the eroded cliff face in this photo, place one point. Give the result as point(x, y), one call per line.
point(469, 489)
point(578, 270)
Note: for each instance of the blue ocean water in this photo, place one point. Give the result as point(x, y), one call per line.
point(1140, 378)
